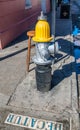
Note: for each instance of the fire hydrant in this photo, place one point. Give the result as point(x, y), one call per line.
point(44, 49)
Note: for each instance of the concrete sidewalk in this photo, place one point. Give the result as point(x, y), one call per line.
point(18, 91)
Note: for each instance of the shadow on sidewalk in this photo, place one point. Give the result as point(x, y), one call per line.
point(66, 67)
point(16, 41)
point(65, 46)
point(13, 54)
point(60, 74)
point(14, 45)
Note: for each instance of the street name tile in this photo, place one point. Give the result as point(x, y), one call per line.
point(32, 123)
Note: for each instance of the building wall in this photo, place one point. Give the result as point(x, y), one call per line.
point(15, 19)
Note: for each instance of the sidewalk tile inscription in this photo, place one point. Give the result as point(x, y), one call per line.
point(32, 123)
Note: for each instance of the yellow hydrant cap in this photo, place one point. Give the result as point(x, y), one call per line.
point(42, 30)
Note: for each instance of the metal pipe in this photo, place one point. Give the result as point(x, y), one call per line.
point(53, 18)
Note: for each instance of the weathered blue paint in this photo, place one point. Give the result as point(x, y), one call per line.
point(18, 122)
point(55, 127)
point(75, 31)
point(25, 121)
point(10, 118)
point(59, 126)
point(50, 125)
point(33, 122)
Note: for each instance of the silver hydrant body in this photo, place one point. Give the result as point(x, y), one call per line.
point(45, 47)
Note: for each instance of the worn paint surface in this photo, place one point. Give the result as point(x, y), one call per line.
point(32, 123)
